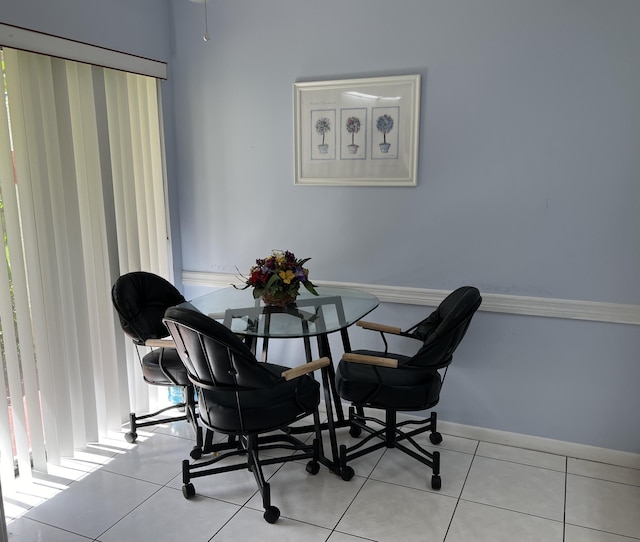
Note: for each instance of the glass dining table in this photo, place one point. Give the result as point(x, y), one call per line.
point(333, 310)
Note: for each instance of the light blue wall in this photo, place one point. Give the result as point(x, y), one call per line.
point(139, 27)
point(529, 181)
point(529, 176)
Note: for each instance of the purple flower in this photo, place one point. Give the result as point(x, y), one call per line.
point(300, 274)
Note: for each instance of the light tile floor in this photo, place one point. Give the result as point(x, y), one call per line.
point(116, 492)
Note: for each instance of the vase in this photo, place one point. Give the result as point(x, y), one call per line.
point(323, 148)
point(281, 299)
point(352, 148)
point(384, 147)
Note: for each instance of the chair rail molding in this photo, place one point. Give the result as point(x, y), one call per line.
point(595, 311)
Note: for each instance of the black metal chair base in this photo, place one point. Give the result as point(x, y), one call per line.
point(203, 443)
point(135, 420)
point(392, 436)
point(248, 448)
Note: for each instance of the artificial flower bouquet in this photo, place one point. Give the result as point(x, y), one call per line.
point(277, 278)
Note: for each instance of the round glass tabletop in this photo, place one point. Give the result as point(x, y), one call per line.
point(332, 310)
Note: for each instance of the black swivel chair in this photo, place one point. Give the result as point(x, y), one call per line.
point(395, 382)
point(244, 399)
point(140, 299)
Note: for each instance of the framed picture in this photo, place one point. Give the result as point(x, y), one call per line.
point(359, 132)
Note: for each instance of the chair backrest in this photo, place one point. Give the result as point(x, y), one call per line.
point(213, 355)
point(442, 331)
point(140, 299)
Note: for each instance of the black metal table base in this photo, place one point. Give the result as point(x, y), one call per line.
point(331, 397)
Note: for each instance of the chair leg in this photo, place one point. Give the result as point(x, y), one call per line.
point(435, 437)
point(271, 513)
point(192, 418)
point(313, 466)
point(436, 481)
point(390, 428)
point(346, 472)
point(356, 413)
point(197, 450)
point(188, 490)
point(135, 420)
point(132, 434)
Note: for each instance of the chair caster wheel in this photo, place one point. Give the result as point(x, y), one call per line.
point(188, 490)
point(313, 467)
point(355, 431)
point(131, 437)
point(346, 473)
point(196, 453)
point(271, 514)
point(436, 482)
point(435, 438)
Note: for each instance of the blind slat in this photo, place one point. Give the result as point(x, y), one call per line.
point(31, 304)
point(86, 208)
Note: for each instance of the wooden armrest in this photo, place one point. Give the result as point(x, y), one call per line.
point(379, 327)
point(370, 360)
point(300, 370)
point(160, 343)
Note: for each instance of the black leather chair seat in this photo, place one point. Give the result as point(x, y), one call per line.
point(263, 409)
point(402, 388)
point(171, 364)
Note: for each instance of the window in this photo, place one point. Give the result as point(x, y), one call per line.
point(82, 198)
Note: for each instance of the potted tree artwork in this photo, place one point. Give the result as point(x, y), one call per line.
point(384, 124)
point(323, 125)
point(353, 127)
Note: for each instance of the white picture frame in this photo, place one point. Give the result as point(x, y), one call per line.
point(357, 132)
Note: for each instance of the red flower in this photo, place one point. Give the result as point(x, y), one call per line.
point(258, 277)
point(279, 273)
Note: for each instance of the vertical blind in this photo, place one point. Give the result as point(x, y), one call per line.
point(82, 196)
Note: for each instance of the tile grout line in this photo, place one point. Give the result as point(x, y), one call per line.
point(240, 508)
point(130, 511)
point(476, 455)
point(564, 512)
point(366, 479)
point(455, 509)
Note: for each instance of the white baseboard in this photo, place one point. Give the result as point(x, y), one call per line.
point(594, 311)
point(541, 444)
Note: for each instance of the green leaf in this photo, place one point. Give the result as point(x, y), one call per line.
point(309, 286)
point(272, 282)
point(244, 287)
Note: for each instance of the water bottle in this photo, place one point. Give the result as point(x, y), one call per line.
point(175, 395)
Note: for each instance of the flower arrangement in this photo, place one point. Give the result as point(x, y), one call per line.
point(278, 277)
